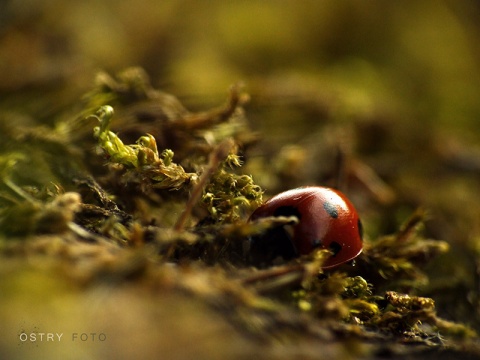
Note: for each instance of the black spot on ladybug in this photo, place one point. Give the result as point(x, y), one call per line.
point(330, 209)
point(287, 211)
point(360, 229)
point(335, 247)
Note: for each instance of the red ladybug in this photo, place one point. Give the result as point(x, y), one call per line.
point(327, 219)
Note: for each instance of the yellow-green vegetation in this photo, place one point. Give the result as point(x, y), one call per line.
point(129, 169)
point(166, 217)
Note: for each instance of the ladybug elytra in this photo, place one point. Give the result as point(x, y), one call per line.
point(326, 217)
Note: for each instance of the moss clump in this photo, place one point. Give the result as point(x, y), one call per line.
point(141, 160)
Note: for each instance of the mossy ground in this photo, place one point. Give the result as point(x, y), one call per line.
point(123, 212)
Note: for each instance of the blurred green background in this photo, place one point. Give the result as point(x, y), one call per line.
point(419, 59)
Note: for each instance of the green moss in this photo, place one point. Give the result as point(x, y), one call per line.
point(140, 160)
point(174, 218)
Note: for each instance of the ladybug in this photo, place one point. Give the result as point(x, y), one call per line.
point(326, 217)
